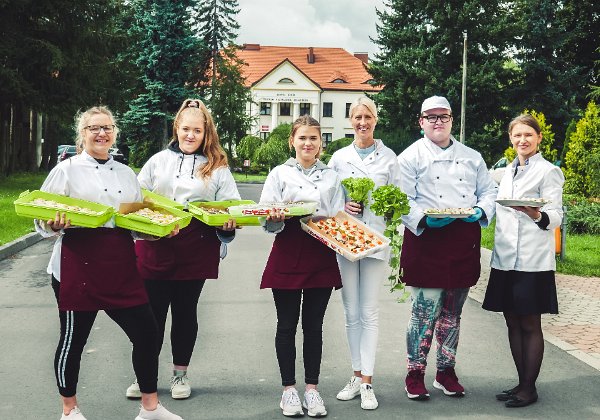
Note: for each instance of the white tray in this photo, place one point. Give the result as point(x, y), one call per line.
point(264, 209)
point(531, 202)
point(338, 246)
point(457, 213)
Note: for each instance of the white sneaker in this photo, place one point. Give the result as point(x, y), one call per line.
point(159, 413)
point(180, 387)
point(75, 414)
point(290, 403)
point(133, 391)
point(367, 397)
point(351, 390)
point(314, 403)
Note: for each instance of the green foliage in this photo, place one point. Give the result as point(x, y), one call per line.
point(338, 144)
point(583, 214)
point(247, 147)
point(510, 153)
point(397, 139)
point(275, 151)
point(358, 189)
point(391, 203)
point(570, 130)
point(282, 131)
point(325, 158)
point(546, 149)
point(581, 159)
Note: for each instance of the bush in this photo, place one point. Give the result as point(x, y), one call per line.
point(583, 215)
point(337, 145)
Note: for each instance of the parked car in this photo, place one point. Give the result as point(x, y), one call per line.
point(60, 149)
point(498, 168)
point(67, 152)
point(118, 156)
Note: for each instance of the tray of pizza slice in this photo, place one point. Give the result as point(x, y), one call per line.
point(346, 235)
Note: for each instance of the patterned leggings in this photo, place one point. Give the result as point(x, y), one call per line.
point(436, 310)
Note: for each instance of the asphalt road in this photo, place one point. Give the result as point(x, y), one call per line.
point(234, 370)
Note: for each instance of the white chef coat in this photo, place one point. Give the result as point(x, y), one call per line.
point(288, 182)
point(519, 244)
point(381, 166)
point(432, 177)
point(172, 174)
point(80, 176)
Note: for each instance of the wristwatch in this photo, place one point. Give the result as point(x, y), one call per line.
point(538, 219)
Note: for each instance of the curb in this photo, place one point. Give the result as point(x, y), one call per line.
point(19, 244)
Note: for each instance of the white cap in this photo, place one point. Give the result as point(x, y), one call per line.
point(435, 102)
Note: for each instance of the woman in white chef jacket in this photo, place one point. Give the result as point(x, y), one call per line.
point(521, 283)
point(94, 269)
point(301, 271)
point(366, 157)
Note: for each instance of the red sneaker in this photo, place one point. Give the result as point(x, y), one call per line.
point(415, 385)
point(447, 381)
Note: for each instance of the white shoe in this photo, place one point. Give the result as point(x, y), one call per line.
point(133, 391)
point(75, 414)
point(159, 413)
point(367, 397)
point(314, 403)
point(351, 390)
point(180, 387)
point(290, 403)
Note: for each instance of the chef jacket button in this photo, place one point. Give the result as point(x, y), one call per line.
point(464, 196)
point(438, 177)
point(315, 188)
point(300, 186)
point(440, 196)
point(460, 179)
point(352, 173)
point(119, 191)
point(177, 176)
point(316, 210)
point(457, 163)
point(105, 189)
point(377, 153)
point(96, 167)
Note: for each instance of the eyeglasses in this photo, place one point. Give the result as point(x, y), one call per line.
point(434, 118)
point(95, 129)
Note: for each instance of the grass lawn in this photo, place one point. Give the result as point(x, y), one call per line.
point(242, 177)
point(581, 253)
point(14, 226)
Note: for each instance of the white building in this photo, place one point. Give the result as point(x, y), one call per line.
point(287, 82)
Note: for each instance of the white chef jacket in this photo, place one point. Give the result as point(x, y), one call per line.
point(80, 176)
point(288, 182)
point(519, 244)
point(172, 174)
point(432, 177)
point(381, 166)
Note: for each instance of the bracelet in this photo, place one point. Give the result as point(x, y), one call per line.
point(538, 219)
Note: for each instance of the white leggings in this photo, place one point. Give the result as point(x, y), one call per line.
point(362, 282)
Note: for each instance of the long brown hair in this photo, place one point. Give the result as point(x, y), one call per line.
point(210, 146)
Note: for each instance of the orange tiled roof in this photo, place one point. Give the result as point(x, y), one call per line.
point(329, 64)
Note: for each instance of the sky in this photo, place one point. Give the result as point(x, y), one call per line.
point(343, 24)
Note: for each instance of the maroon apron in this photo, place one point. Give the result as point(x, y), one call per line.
point(192, 254)
point(298, 261)
point(98, 272)
point(447, 257)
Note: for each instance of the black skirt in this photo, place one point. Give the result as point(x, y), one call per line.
point(520, 292)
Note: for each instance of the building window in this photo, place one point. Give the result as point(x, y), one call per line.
point(339, 81)
point(286, 80)
point(348, 109)
point(349, 136)
point(285, 108)
point(265, 108)
point(304, 109)
point(327, 138)
point(264, 134)
point(328, 109)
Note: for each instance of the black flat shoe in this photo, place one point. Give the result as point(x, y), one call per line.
point(516, 402)
point(506, 395)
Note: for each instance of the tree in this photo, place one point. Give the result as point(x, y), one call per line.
point(229, 100)
point(277, 148)
point(247, 147)
point(421, 45)
point(581, 160)
point(168, 56)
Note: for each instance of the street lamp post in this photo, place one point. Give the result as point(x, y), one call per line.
point(463, 101)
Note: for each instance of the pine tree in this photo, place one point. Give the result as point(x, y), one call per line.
point(167, 55)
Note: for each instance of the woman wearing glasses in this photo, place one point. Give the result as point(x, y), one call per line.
point(95, 269)
point(192, 168)
point(440, 256)
point(366, 157)
point(521, 281)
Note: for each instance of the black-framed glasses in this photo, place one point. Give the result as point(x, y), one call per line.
point(95, 129)
point(434, 118)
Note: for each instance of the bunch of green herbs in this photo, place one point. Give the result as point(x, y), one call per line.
point(358, 189)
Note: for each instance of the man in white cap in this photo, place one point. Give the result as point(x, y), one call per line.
point(440, 253)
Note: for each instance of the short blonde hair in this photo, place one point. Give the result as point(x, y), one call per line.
point(363, 100)
point(81, 122)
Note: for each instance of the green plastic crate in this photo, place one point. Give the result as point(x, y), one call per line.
point(161, 200)
point(145, 225)
point(24, 207)
point(197, 209)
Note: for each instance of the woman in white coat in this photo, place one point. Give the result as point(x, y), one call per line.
point(362, 280)
point(521, 283)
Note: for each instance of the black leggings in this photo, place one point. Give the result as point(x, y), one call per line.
point(314, 303)
point(75, 326)
point(182, 296)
